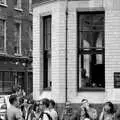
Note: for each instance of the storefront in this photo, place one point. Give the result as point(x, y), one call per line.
point(15, 71)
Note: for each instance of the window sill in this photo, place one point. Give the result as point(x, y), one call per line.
point(17, 54)
point(91, 89)
point(18, 9)
point(47, 89)
point(3, 5)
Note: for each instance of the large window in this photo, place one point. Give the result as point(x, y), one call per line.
point(47, 51)
point(17, 4)
point(2, 35)
point(17, 38)
point(91, 50)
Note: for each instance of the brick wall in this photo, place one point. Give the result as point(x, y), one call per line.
point(11, 15)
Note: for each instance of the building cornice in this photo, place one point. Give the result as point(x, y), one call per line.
point(43, 2)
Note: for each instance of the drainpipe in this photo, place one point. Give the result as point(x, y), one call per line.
point(66, 59)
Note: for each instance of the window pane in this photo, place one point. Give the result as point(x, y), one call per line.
point(2, 1)
point(2, 34)
point(1, 81)
point(17, 37)
point(85, 22)
point(86, 39)
point(85, 70)
point(15, 3)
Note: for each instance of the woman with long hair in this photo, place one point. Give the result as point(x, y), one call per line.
point(108, 112)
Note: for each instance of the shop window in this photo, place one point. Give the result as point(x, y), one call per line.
point(31, 40)
point(2, 35)
point(17, 4)
point(17, 38)
point(47, 51)
point(91, 50)
point(30, 82)
point(6, 81)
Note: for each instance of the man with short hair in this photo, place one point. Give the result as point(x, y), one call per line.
point(13, 113)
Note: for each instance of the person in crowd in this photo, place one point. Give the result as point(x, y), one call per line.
point(68, 112)
point(53, 112)
point(35, 113)
point(13, 113)
point(86, 111)
point(108, 112)
point(25, 108)
point(44, 106)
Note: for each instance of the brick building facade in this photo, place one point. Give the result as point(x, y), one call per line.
point(76, 50)
point(15, 45)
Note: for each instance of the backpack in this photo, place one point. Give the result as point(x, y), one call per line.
point(48, 115)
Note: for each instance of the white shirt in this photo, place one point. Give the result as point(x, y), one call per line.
point(53, 114)
point(45, 117)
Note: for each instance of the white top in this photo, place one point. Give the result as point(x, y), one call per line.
point(53, 114)
point(45, 117)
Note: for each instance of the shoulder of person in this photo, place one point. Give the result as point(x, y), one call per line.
point(48, 115)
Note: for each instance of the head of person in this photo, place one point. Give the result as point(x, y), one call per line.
point(51, 104)
point(13, 100)
point(109, 107)
point(45, 103)
point(68, 105)
point(84, 103)
point(36, 107)
point(25, 102)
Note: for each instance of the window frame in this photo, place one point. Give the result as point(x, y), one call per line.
point(3, 50)
point(46, 54)
point(88, 52)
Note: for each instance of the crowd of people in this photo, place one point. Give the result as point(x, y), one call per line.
point(45, 109)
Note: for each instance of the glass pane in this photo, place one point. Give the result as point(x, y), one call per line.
point(7, 82)
point(16, 37)
point(2, 1)
point(49, 72)
point(15, 3)
point(47, 32)
point(1, 34)
point(85, 22)
point(98, 38)
point(92, 70)
point(86, 39)
point(85, 70)
point(99, 59)
point(1, 81)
